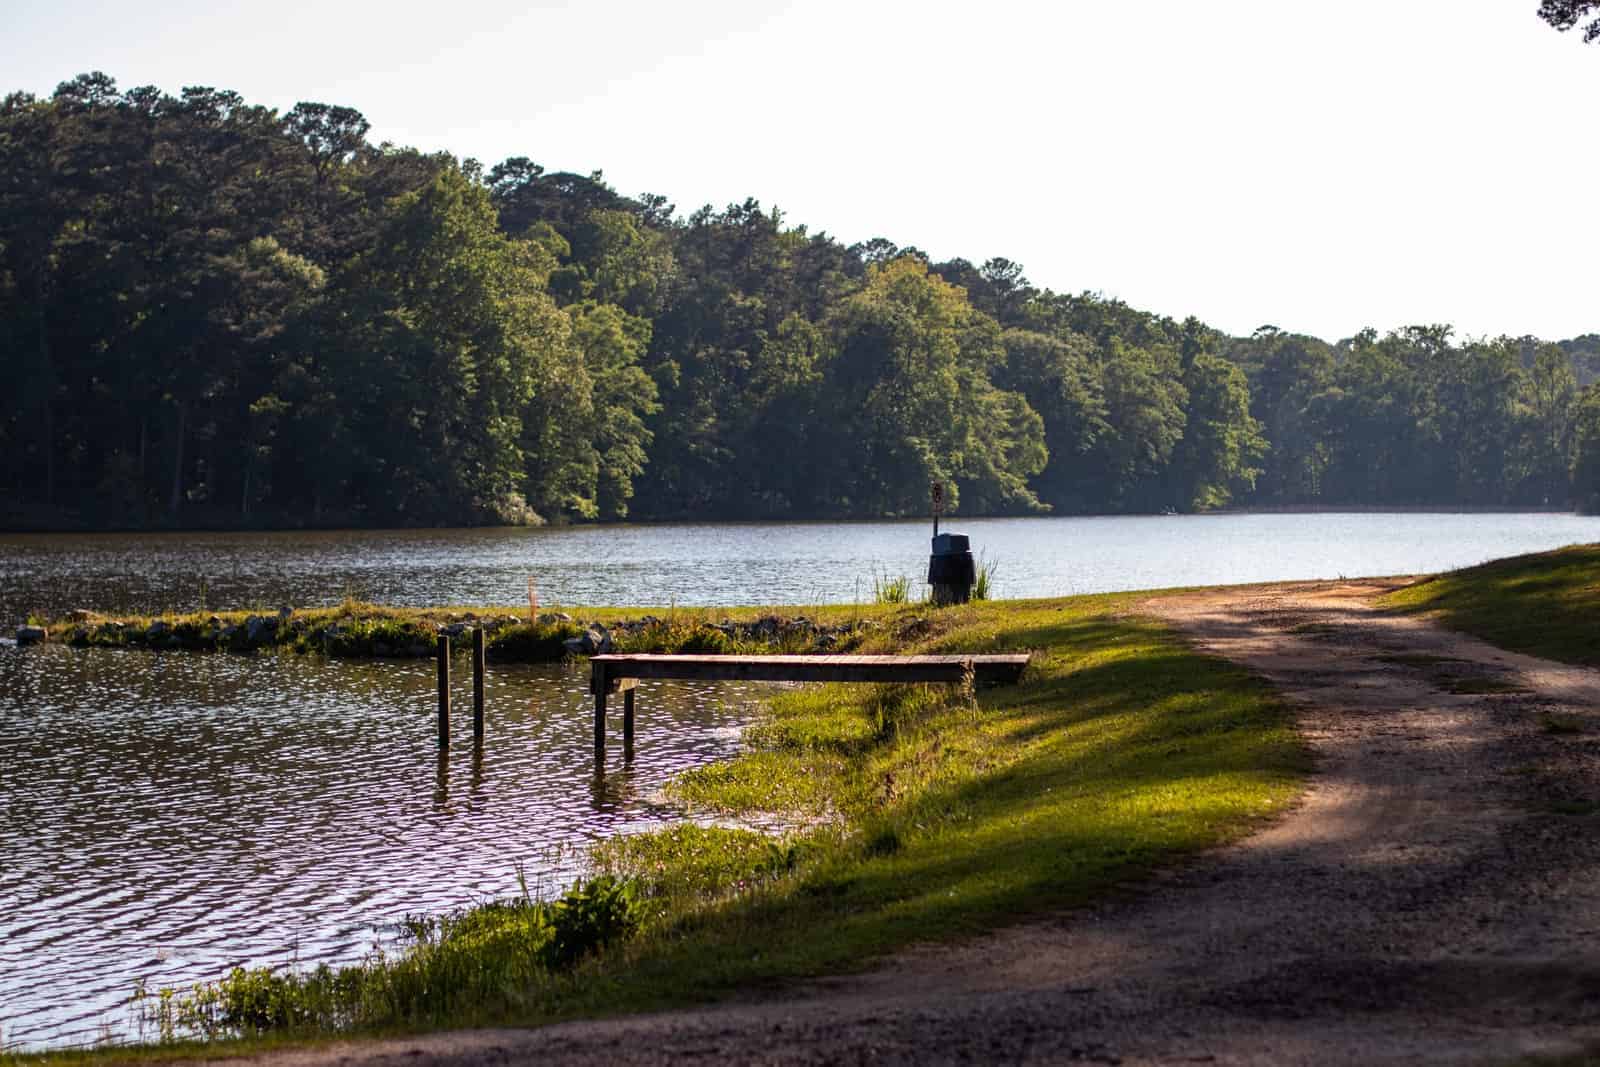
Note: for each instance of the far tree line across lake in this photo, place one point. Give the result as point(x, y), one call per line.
point(212, 313)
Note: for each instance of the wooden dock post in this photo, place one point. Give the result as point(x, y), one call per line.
point(602, 685)
point(477, 686)
point(444, 691)
point(627, 723)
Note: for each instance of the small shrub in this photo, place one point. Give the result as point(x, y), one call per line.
point(477, 960)
point(708, 640)
point(588, 917)
point(535, 643)
point(885, 842)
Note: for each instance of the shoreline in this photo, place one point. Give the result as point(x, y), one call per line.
point(49, 530)
point(820, 758)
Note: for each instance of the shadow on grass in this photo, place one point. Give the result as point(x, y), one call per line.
point(1543, 604)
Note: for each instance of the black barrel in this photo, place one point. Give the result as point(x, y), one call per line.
point(951, 571)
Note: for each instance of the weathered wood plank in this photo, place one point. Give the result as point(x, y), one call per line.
point(613, 673)
point(985, 668)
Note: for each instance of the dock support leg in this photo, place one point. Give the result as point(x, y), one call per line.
point(444, 691)
point(477, 686)
point(627, 724)
point(600, 724)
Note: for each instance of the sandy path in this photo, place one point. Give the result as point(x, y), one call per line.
point(1434, 898)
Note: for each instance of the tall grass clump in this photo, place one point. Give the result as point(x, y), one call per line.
point(983, 584)
point(887, 590)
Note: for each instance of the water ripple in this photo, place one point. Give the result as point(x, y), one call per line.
point(168, 817)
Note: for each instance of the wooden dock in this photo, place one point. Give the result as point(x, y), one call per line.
point(621, 673)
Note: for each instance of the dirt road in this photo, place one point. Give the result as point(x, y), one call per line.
point(1434, 898)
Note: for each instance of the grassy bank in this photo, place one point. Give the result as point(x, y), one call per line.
point(358, 630)
point(921, 813)
point(1543, 604)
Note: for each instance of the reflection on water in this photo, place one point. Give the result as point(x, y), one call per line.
point(752, 563)
point(168, 816)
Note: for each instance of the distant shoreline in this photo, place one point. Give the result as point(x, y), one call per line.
point(1327, 509)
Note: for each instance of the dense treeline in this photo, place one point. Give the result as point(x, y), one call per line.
point(213, 313)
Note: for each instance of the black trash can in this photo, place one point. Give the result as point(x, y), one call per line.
point(951, 571)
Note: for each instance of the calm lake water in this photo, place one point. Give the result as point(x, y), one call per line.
point(165, 817)
point(756, 563)
point(169, 816)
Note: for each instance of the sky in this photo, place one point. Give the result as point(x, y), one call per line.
point(1317, 167)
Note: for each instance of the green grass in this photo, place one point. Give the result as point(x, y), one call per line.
point(891, 590)
point(920, 814)
point(1545, 604)
point(355, 629)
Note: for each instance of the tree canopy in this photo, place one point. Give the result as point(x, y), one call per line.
point(1565, 14)
point(212, 313)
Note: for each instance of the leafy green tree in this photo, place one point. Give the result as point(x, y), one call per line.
point(1565, 14)
point(1061, 380)
point(1221, 440)
point(452, 333)
point(912, 371)
point(1145, 400)
point(612, 344)
point(1548, 407)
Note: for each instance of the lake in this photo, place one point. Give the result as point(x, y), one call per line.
point(740, 563)
point(170, 816)
point(167, 816)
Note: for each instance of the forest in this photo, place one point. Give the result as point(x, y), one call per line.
point(213, 314)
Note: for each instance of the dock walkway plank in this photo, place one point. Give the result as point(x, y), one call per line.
point(613, 673)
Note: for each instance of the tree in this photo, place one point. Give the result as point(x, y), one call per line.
point(1221, 440)
point(1061, 380)
point(1565, 14)
point(911, 386)
point(453, 336)
point(623, 396)
point(1586, 452)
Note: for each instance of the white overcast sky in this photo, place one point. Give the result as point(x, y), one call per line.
point(1318, 166)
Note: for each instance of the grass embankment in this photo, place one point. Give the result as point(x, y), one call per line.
point(1543, 604)
point(925, 814)
point(356, 630)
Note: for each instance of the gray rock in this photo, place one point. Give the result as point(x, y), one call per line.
point(157, 630)
point(285, 613)
point(554, 616)
point(258, 628)
point(31, 635)
point(577, 646)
